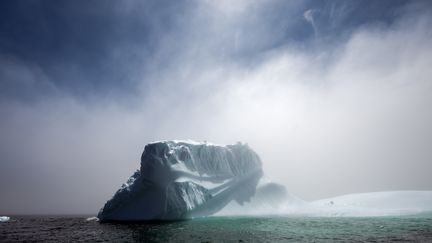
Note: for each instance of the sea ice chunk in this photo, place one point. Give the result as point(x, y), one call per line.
point(4, 218)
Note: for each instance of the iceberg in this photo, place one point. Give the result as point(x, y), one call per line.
point(185, 179)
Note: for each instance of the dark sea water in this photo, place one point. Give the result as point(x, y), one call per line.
point(220, 229)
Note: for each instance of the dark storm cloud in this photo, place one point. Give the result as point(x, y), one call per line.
point(81, 47)
point(89, 48)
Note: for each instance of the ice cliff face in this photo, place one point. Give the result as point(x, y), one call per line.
point(179, 180)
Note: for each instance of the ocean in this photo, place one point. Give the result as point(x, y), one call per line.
point(220, 229)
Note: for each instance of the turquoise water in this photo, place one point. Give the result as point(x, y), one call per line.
point(222, 229)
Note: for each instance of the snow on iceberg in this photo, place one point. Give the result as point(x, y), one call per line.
point(183, 179)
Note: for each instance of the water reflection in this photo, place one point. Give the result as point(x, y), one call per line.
point(149, 231)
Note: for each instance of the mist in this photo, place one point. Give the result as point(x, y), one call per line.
point(331, 113)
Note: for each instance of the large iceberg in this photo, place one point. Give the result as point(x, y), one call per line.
point(184, 179)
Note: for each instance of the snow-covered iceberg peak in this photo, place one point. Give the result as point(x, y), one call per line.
point(184, 179)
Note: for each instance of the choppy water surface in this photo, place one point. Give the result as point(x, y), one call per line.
point(218, 229)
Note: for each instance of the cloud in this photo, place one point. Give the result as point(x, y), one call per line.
point(308, 15)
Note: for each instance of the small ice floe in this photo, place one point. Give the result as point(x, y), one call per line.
point(4, 218)
point(92, 219)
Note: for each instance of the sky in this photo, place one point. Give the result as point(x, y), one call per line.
point(334, 96)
